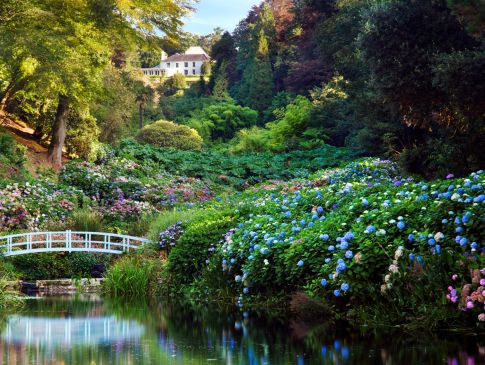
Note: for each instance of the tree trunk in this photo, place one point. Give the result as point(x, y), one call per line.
point(59, 132)
point(5, 96)
point(140, 115)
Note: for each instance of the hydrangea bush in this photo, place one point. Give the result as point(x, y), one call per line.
point(355, 236)
point(33, 205)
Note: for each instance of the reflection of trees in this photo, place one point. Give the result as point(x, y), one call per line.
point(178, 335)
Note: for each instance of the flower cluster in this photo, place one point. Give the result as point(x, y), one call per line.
point(170, 236)
point(471, 296)
point(32, 205)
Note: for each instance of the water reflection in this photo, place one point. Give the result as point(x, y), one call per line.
point(86, 331)
point(92, 331)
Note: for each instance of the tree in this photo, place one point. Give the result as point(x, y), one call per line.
point(221, 83)
point(70, 45)
point(401, 45)
point(224, 57)
point(206, 68)
point(261, 88)
point(144, 94)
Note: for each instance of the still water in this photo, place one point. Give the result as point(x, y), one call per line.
point(92, 331)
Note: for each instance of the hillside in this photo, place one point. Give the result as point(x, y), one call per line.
point(35, 150)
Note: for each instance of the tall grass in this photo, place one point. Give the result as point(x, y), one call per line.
point(166, 219)
point(132, 277)
point(87, 220)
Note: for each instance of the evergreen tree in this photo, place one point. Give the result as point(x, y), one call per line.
point(261, 87)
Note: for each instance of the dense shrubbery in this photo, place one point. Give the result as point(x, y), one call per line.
point(170, 135)
point(58, 265)
point(221, 121)
point(12, 157)
point(33, 205)
point(364, 239)
point(236, 170)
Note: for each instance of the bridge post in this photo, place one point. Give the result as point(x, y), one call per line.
point(68, 240)
point(9, 245)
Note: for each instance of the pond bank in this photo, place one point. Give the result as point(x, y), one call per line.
point(57, 287)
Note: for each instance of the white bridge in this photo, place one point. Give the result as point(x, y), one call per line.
point(68, 241)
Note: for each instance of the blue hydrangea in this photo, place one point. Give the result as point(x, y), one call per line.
point(349, 236)
point(411, 237)
point(323, 282)
point(371, 229)
point(331, 248)
point(300, 263)
point(344, 286)
point(325, 237)
point(336, 292)
point(349, 254)
point(401, 225)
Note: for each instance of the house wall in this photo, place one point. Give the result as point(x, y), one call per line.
point(169, 69)
point(192, 68)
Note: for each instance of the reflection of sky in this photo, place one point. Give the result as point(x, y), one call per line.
point(69, 331)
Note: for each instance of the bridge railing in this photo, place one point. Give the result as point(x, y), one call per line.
point(68, 241)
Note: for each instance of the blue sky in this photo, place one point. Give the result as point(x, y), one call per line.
point(218, 13)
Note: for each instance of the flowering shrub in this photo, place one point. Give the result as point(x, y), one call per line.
point(126, 187)
point(471, 296)
point(32, 205)
point(354, 235)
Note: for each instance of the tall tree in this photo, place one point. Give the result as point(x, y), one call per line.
point(70, 44)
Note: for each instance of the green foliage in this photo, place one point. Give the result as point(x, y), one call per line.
point(255, 139)
point(8, 299)
point(288, 130)
point(206, 68)
point(170, 135)
point(56, 265)
point(221, 121)
point(11, 152)
point(187, 258)
point(87, 220)
point(235, 170)
point(82, 137)
point(132, 277)
point(166, 219)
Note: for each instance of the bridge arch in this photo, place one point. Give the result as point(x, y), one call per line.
point(69, 241)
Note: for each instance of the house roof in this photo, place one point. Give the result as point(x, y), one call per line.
point(187, 58)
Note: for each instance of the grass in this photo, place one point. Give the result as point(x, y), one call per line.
point(168, 218)
point(88, 221)
point(9, 299)
point(132, 277)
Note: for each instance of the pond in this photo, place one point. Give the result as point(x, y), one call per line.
point(90, 330)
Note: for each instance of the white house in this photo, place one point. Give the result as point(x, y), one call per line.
point(189, 64)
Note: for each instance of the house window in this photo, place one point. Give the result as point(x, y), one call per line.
point(186, 72)
point(186, 64)
point(193, 71)
point(193, 64)
point(168, 65)
point(176, 65)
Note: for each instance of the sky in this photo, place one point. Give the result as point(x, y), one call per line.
point(218, 13)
